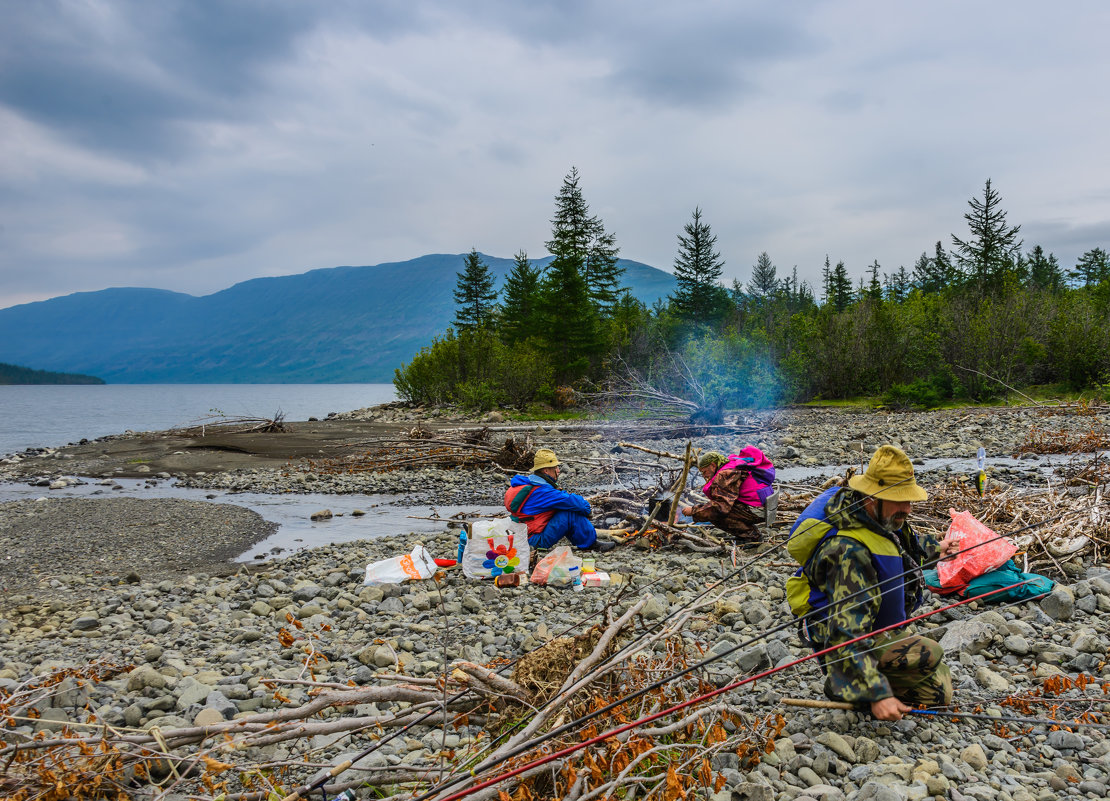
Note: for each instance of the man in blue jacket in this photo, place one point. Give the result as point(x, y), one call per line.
point(549, 512)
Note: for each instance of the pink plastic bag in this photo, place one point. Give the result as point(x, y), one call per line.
point(556, 569)
point(974, 558)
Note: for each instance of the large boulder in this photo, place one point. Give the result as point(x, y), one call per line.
point(967, 636)
point(1060, 603)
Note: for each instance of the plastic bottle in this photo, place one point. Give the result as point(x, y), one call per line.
point(462, 544)
point(346, 795)
point(576, 575)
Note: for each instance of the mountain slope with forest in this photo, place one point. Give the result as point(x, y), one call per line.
point(340, 324)
point(14, 374)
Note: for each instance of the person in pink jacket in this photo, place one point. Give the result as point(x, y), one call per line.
point(737, 487)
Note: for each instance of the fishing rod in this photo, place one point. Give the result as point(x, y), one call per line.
point(343, 766)
point(698, 699)
point(620, 655)
point(524, 747)
point(998, 608)
point(814, 703)
point(941, 713)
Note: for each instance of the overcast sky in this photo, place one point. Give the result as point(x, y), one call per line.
point(192, 144)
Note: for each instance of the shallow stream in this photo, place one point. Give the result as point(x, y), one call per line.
point(291, 512)
point(388, 514)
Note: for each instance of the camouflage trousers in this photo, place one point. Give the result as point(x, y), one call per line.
point(914, 668)
point(744, 524)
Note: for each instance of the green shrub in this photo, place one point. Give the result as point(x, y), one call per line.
point(476, 396)
point(432, 374)
point(920, 394)
point(1102, 389)
point(524, 374)
point(477, 371)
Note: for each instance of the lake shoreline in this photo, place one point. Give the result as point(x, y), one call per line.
point(800, 441)
point(201, 645)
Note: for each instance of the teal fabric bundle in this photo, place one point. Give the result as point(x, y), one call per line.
point(1004, 576)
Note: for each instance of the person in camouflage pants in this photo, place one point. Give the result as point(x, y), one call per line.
point(855, 574)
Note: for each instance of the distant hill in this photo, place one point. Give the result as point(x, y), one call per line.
point(14, 374)
point(341, 324)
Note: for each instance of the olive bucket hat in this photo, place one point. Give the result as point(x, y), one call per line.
point(712, 459)
point(544, 458)
point(889, 477)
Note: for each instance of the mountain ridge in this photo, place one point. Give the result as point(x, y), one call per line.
point(14, 375)
point(327, 325)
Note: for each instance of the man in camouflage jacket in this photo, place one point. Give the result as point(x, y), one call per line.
point(862, 546)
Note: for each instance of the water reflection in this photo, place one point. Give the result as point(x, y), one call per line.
point(384, 514)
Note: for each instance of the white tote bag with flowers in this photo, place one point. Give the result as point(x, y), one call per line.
point(494, 548)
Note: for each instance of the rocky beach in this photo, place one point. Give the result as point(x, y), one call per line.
point(145, 584)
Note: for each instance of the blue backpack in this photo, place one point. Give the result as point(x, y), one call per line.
point(994, 580)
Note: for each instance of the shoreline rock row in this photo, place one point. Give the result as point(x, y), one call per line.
point(204, 635)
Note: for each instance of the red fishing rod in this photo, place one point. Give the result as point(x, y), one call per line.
point(942, 714)
point(737, 570)
point(570, 725)
point(705, 697)
point(524, 747)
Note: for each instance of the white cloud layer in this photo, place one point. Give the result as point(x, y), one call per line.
point(190, 144)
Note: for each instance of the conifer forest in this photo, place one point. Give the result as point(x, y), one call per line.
point(979, 314)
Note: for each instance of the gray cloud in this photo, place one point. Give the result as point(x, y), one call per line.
point(189, 144)
point(122, 76)
point(1070, 241)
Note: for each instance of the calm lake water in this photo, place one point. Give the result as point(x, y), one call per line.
point(33, 416)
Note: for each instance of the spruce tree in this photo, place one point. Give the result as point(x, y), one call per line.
point(841, 287)
point(603, 272)
point(933, 275)
point(1044, 271)
point(898, 284)
point(874, 285)
point(800, 293)
point(942, 263)
point(1092, 268)
point(988, 254)
point(736, 293)
point(581, 240)
point(763, 283)
point(923, 272)
point(520, 300)
point(826, 281)
point(475, 296)
point(697, 270)
point(569, 326)
point(803, 297)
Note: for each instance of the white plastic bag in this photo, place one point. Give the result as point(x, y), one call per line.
point(416, 565)
point(495, 547)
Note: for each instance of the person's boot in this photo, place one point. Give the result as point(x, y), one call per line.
point(601, 546)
